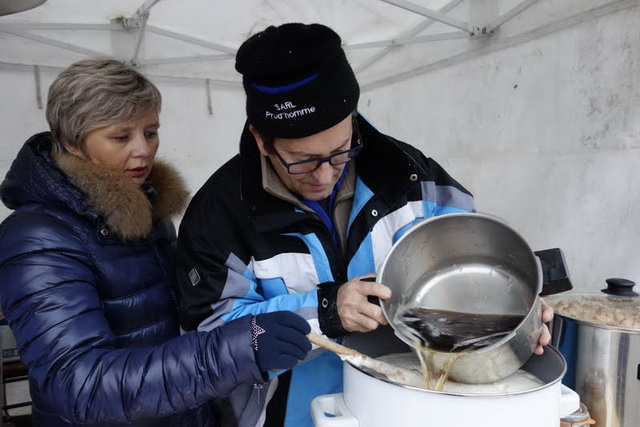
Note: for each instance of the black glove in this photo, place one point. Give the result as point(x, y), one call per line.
point(279, 340)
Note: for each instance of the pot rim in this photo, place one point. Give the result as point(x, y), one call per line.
point(599, 325)
point(475, 395)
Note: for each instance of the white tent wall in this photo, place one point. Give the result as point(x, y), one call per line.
point(543, 130)
point(545, 134)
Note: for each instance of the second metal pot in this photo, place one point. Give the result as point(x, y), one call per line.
point(599, 336)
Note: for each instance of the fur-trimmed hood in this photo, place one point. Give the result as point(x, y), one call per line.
point(127, 209)
point(40, 176)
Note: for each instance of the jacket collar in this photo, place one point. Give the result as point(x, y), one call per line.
point(383, 166)
point(127, 210)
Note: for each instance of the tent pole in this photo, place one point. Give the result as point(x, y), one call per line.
point(412, 32)
point(52, 42)
point(429, 13)
point(36, 74)
point(512, 12)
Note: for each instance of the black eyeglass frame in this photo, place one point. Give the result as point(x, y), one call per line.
point(352, 153)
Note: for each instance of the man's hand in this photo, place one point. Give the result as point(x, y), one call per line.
point(545, 337)
point(356, 313)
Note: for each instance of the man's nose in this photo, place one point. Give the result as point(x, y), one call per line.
point(324, 174)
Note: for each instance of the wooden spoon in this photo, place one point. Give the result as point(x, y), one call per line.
point(392, 372)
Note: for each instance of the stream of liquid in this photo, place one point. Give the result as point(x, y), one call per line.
point(435, 380)
point(453, 334)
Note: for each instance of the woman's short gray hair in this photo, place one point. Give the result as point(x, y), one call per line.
point(93, 94)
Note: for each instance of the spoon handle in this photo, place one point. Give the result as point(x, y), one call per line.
point(332, 346)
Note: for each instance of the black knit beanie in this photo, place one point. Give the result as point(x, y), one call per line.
point(297, 80)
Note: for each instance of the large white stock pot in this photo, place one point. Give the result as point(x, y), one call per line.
point(369, 401)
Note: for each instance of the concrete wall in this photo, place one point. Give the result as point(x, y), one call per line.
point(545, 133)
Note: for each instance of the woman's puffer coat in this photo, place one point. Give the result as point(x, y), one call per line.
point(86, 279)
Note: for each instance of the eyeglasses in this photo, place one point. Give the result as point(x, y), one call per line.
point(335, 159)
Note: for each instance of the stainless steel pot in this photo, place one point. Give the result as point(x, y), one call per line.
point(371, 401)
point(470, 263)
point(599, 336)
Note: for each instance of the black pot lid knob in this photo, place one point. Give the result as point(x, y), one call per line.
point(620, 287)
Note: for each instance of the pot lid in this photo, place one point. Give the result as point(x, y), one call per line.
point(8, 7)
point(618, 305)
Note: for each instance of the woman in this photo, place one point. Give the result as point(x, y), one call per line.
point(87, 274)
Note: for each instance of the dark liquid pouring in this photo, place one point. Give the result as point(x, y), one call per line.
point(452, 331)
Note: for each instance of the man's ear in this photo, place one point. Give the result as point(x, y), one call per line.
point(259, 141)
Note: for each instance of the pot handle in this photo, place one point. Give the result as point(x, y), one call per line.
point(555, 275)
point(329, 410)
point(620, 287)
point(569, 401)
point(371, 298)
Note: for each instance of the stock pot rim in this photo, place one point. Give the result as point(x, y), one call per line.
point(550, 351)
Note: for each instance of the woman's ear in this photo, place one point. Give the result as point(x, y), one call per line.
point(73, 150)
point(259, 141)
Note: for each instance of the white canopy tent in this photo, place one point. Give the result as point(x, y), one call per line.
point(534, 105)
point(164, 35)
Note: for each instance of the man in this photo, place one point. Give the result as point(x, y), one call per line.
point(306, 211)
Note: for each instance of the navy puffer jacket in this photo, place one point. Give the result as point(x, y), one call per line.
point(86, 280)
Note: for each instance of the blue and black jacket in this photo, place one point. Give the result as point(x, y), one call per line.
point(243, 250)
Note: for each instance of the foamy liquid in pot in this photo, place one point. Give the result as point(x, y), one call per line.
point(519, 381)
